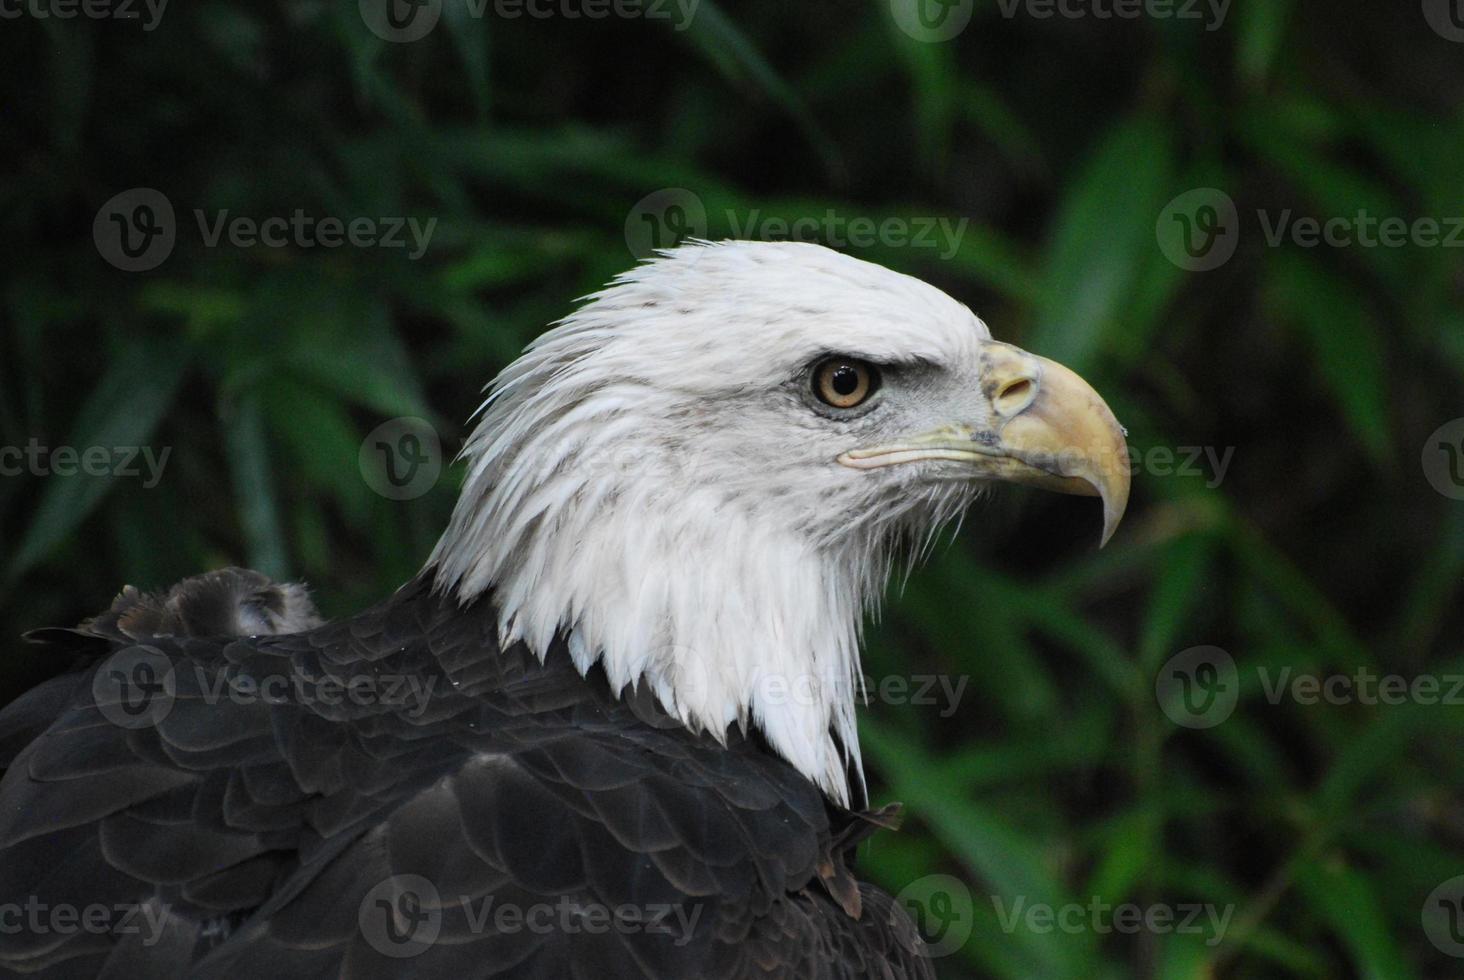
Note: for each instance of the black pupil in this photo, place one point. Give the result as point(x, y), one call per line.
point(845, 380)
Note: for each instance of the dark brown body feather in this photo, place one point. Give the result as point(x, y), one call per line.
point(228, 602)
point(285, 836)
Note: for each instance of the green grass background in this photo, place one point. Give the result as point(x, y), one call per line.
point(1058, 779)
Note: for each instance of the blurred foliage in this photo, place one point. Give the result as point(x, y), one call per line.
point(530, 140)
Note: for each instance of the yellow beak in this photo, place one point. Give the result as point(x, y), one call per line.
point(1047, 428)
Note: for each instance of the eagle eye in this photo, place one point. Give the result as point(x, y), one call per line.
point(844, 382)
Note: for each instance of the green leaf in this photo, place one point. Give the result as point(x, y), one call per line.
point(934, 77)
point(1103, 234)
point(1261, 29)
point(1422, 149)
point(1368, 755)
point(1177, 587)
point(1157, 280)
point(951, 602)
point(247, 447)
point(982, 106)
point(72, 80)
point(123, 410)
point(363, 361)
point(1330, 192)
point(1344, 898)
point(1183, 957)
point(470, 38)
point(738, 59)
point(1127, 848)
point(320, 441)
point(1343, 338)
point(1011, 864)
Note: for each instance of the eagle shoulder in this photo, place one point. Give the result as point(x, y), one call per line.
point(470, 810)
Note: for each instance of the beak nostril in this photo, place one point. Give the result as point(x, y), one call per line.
point(1015, 396)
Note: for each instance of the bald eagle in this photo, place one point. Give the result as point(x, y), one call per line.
point(609, 729)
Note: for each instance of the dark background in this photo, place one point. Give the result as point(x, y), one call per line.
point(1057, 778)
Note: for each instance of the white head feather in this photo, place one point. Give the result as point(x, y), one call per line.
point(653, 478)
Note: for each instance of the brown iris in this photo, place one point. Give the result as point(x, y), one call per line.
point(844, 382)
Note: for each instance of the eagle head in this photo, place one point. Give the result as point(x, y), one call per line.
point(703, 477)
